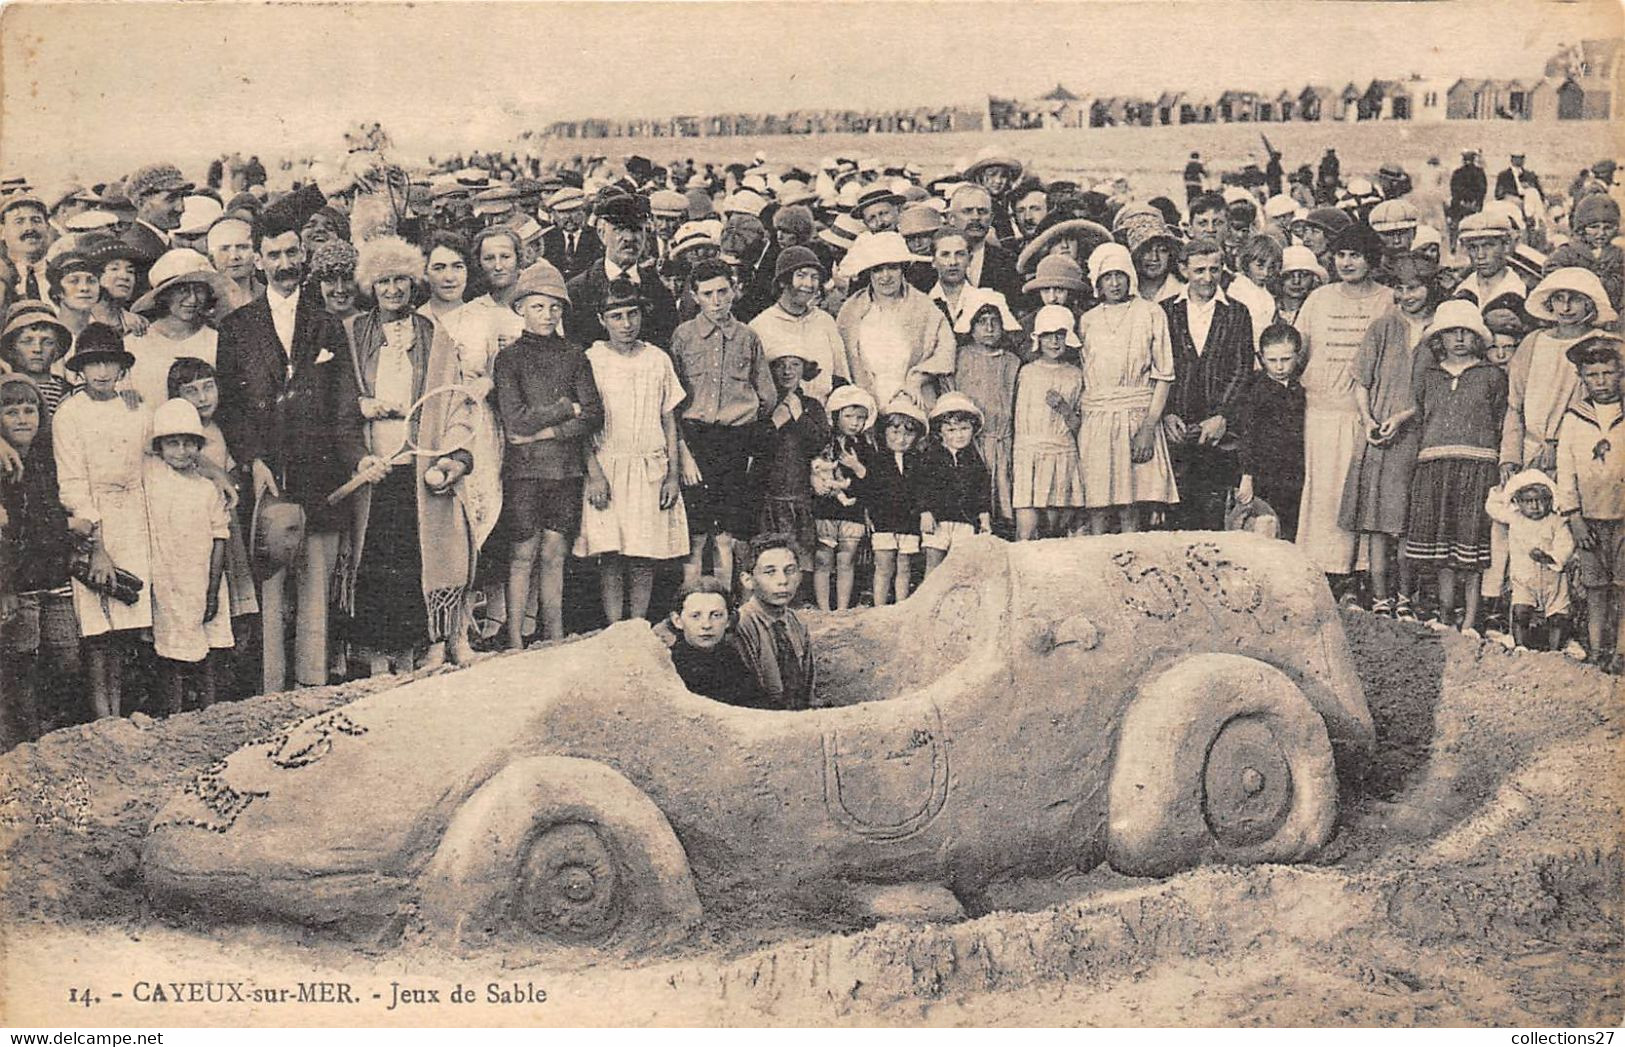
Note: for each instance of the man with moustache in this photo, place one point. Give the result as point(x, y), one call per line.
point(230, 245)
point(568, 245)
point(621, 223)
point(158, 192)
point(1031, 207)
point(970, 210)
point(24, 234)
point(289, 408)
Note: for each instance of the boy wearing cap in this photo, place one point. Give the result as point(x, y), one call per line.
point(1486, 239)
point(32, 341)
point(549, 405)
point(954, 488)
point(788, 437)
point(1591, 492)
point(725, 372)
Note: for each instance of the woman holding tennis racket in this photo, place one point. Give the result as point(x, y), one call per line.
point(400, 596)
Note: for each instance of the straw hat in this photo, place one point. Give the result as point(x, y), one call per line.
point(876, 249)
point(1055, 271)
point(1457, 312)
point(31, 312)
point(198, 213)
point(1053, 318)
point(851, 396)
point(1093, 234)
point(1570, 278)
point(973, 300)
point(957, 403)
point(1298, 258)
point(275, 535)
point(992, 158)
point(906, 406)
point(183, 266)
point(843, 232)
point(176, 417)
point(779, 350)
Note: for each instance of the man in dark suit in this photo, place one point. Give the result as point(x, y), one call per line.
point(290, 411)
point(1512, 181)
point(991, 266)
point(571, 248)
point(1212, 339)
point(621, 222)
point(158, 192)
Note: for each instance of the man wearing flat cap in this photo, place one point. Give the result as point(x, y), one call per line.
point(159, 193)
point(568, 245)
point(622, 221)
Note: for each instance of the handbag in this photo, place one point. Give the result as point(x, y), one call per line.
point(124, 587)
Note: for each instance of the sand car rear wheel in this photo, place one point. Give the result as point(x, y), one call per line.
point(1220, 758)
point(564, 850)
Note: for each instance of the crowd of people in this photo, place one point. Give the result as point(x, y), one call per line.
point(393, 420)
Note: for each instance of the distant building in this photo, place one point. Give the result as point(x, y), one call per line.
point(1317, 103)
point(1428, 96)
point(1385, 100)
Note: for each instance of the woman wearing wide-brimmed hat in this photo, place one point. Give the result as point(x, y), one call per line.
point(1074, 238)
point(895, 337)
point(411, 558)
point(186, 299)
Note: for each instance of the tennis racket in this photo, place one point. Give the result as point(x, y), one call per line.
point(454, 438)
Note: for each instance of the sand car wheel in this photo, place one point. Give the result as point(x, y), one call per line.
point(1219, 758)
point(560, 849)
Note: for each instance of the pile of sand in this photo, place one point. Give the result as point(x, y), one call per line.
point(1477, 878)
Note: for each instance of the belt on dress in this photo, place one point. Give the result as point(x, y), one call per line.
point(1119, 397)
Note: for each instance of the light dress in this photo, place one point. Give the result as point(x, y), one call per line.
point(154, 355)
point(1333, 324)
point(1125, 350)
point(100, 447)
point(638, 388)
point(1045, 472)
point(185, 514)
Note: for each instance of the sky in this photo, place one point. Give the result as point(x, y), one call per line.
point(88, 84)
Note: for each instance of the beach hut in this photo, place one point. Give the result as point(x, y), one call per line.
point(1466, 100)
point(1556, 98)
point(1238, 106)
point(1168, 108)
point(1385, 100)
point(1348, 103)
point(1286, 107)
point(1428, 96)
point(1317, 102)
point(1599, 77)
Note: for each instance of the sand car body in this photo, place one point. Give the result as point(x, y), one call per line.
point(1156, 700)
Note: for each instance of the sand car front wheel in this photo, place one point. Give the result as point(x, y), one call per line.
point(563, 850)
point(1220, 758)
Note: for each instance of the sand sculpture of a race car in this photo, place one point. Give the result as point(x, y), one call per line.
point(1153, 701)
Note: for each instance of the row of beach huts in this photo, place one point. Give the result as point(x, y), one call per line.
point(1580, 82)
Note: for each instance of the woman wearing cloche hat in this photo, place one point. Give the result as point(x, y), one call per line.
point(895, 337)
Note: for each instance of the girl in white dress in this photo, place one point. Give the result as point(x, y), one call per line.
point(188, 525)
point(1047, 482)
point(632, 512)
point(100, 443)
point(1128, 369)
